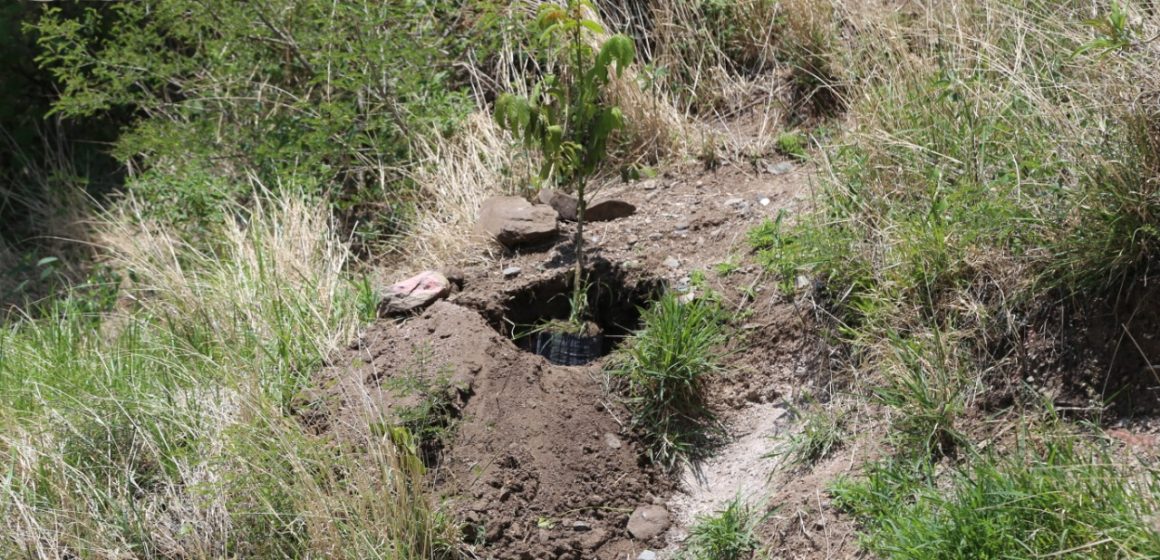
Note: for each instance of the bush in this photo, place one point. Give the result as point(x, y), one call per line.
point(330, 95)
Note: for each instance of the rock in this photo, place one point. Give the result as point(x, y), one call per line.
point(607, 210)
point(764, 201)
point(511, 272)
point(780, 168)
point(581, 526)
point(513, 221)
point(648, 522)
point(672, 263)
point(414, 293)
point(735, 203)
point(612, 441)
point(564, 204)
point(647, 555)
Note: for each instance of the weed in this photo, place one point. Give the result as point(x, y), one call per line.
point(728, 534)
point(665, 366)
point(792, 144)
point(823, 431)
point(727, 267)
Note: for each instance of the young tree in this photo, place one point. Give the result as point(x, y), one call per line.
point(566, 116)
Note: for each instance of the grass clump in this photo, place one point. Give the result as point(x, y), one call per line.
point(823, 432)
point(725, 535)
point(792, 144)
point(1058, 499)
point(664, 368)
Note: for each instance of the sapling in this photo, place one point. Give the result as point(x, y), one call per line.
point(566, 117)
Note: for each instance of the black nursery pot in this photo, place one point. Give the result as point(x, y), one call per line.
point(567, 349)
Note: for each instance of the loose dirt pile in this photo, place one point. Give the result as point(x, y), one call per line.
point(533, 457)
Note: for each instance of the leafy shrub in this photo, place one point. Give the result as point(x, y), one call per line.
point(329, 94)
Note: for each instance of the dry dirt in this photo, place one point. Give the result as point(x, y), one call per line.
point(532, 457)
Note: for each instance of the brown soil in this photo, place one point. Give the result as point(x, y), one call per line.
point(533, 457)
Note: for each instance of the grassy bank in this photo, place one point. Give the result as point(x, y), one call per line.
point(1001, 157)
point(164, 428)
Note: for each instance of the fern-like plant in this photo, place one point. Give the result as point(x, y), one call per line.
point(567, 117)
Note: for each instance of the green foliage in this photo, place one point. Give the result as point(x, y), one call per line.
point(665, 367)
point(823, 431)
point(792, 144)
point(729, 534)
point(1116, 33)
point(929, 393)
point(180, 399)
point(1063, 500)
point(322, 94)
point(566, 116)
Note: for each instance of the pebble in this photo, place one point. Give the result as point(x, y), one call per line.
point(581, 526)
point(764, 201)
point(511, 272)
point(672, 263)
point(681, 226)
point(780, 169)
point(647, 555)
point(612, 441)
point(654, 236)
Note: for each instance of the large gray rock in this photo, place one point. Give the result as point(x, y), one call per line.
point(565, 205)
point(648, 522)
point(414, 293)
point(607, 210)
point(513, 221)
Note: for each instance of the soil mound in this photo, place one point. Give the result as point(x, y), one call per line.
point(535, 463)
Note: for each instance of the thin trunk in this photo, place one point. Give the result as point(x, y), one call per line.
point(578, 285)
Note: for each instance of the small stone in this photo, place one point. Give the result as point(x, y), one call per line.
point(647, 555)
point(672, 263)
point(612, 441)
point(681, 226)
point(581, 526)
point(764, 201)
point(648, 185)
point(780, 168)
point(631, 265)
point(511, 272)
point(654, 236)
point(648, 522)
point(735, 202)
point(633, 241)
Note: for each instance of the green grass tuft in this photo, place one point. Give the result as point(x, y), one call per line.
point(728, 534)
point(665, 367)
